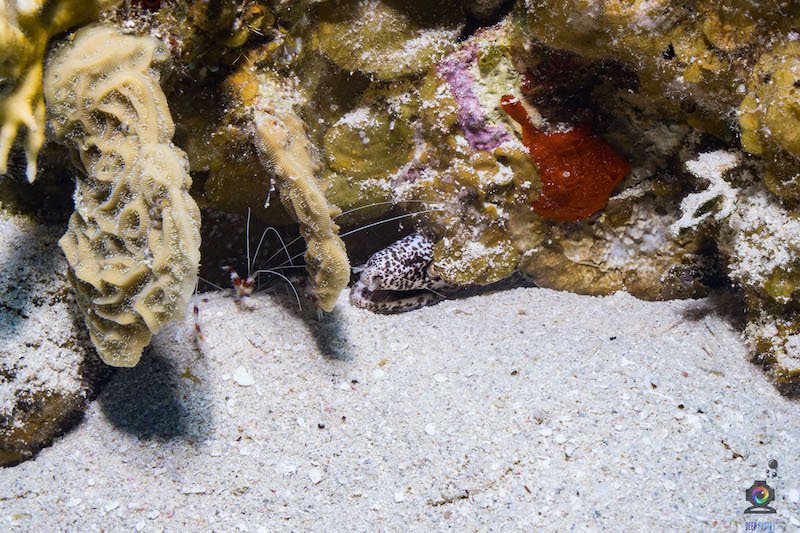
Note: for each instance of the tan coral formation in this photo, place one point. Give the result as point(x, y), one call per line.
point(628, 248)
point(283, 140)
point(25, 29)
point(133, 241)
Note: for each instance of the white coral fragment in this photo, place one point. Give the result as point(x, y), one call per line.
point(133, 243)
point(718, 200)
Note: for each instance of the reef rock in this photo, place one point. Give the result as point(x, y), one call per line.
point(711, 64)
point(48, 370)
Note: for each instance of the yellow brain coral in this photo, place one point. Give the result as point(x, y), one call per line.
point(25, 29)
point(133, 243)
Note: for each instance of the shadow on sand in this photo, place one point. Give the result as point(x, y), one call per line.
point(153, 401)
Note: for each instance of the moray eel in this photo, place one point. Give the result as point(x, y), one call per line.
point(400, 278)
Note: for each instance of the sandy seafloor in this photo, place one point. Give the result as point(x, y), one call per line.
point(517, 411)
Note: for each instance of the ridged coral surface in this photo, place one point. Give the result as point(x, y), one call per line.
point(282, 139)
point(25, 29)
point(133, 241)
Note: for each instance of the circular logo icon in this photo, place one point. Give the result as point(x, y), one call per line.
point(759, 494)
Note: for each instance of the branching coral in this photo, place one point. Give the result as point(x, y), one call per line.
point(718, 201)
point(25, 29)
point(133, 241)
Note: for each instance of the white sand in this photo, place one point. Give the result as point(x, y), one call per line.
point(510, 411)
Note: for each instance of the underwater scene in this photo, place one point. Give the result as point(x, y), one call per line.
point(399, 265)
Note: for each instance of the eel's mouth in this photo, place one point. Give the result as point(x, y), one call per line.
point(387, 301)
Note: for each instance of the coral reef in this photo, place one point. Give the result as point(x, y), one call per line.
point(578, 143)
point(25, 29)
point(712, 64)
point(386, 40)
point(133, 241)
point(494, 187)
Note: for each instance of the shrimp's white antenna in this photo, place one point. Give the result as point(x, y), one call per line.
point(378, 223)
point(375, 204)
point(287, 280)
point(347, 213)
point(283, 245)
point(436, 293)
point(247, 243)
point(210, 283)
point(392, 219)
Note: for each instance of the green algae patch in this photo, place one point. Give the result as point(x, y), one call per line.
point(363, 150)
point(489, 259)
point(368, 143)
point(386, 40)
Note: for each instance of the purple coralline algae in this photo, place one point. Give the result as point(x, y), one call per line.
point(457, 72)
